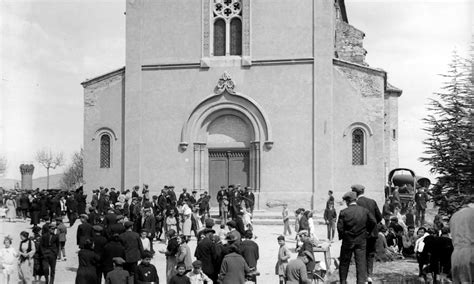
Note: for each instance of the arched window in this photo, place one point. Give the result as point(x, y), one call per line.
point(219, 37)
point(236, 37)
point(105, 151)
point(358, 155)
point(227, 15)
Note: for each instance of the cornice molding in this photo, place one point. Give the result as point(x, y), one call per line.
point(97, 79)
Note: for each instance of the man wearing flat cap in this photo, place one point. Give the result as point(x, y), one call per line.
point(118, 275)
point(84, 231)
point(133, 247)
point(373, 209)
point(206, 253)
point(354, 224)
point(296, 272)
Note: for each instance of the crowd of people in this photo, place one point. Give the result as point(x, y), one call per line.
point(118, 229)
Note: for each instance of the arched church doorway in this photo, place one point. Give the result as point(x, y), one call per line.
point(229, 139)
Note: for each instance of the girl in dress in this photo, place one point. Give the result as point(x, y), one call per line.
point(8, 259)
point(171, 222)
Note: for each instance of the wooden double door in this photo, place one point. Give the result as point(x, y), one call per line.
point(226, 168)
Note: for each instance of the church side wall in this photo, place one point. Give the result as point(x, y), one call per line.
point(356, 101)
point(102, 114)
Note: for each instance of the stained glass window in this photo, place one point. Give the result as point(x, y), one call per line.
point(357, 147)
point(227, 16)
point(105, 151)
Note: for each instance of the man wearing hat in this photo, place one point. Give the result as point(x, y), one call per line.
point(118, 275)
point(112, 249)
point(99, 243)
point(49, 246)
point(223, 201)
point(133, 247)
point(373, 209)
point(249, 199)
point(232, 225)
point(353, 226)
point(296, 271)
point(84, 231)
point(206, 253)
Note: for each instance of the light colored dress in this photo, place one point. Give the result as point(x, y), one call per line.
point(11, 213)
point(25, 271)
point(187, 220)
point(9, 260)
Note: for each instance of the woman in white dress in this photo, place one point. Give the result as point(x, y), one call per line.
point(11, 205)
point(8, 260)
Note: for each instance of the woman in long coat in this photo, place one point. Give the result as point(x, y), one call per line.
point(35, 212)
point(88, 260)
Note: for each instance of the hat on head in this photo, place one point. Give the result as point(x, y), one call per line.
point(128, 224)
point(209, 223)
point(97, 228)
point(232, 224)
point(52, 226)
point(358, 188)
point(84, 216)
point(197, 264)
point(303, 232)
point(59, 219)
point(180, 264)
point(307, 254)
point(119, 217)
point(349, 196)
point(207, 230)
point(230, 238)
point(171, 232)
point(118, 260)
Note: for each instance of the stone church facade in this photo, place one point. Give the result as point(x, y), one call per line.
point(275, 95)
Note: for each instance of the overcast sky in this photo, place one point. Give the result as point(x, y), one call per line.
point(47, 48)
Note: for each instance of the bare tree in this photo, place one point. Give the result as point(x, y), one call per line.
point(49, 160)
point(73, 175)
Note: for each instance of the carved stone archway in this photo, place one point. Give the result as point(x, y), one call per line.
point(225, 101)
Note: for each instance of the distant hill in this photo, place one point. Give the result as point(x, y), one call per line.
point(54, 182)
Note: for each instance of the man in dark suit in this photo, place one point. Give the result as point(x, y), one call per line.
point(206, 253)
point(133, 247)
point(84, 231)
point(249, 251)
point(370, 205)
point(249, 199)
point(99, 243)
point(110, 218)
point(149, 225)
point(353, 226)
point(49, 248)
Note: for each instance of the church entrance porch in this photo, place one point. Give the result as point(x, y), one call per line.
point(226, 168)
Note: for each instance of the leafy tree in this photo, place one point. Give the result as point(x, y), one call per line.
point(49, 160)
point(449, 147)
point(73, 175)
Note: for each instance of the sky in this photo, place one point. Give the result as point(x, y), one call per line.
point(47, 48)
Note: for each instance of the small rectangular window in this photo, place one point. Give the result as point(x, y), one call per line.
point(394, 134)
